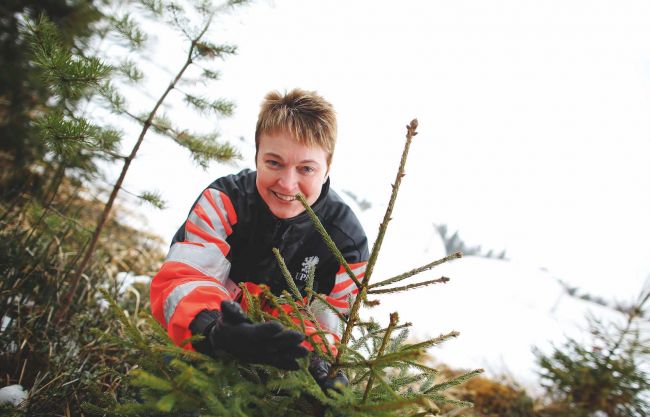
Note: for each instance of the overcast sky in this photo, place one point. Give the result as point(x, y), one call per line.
point(534, 120)
point(534, 124)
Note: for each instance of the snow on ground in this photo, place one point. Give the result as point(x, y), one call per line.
point(502, 309)
point(12, 394)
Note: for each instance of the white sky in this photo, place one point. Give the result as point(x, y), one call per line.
point(534, 124)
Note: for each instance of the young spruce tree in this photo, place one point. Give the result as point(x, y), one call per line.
point(386, 375)
point(608, 375)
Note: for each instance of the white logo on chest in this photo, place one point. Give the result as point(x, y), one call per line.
point(309, 263)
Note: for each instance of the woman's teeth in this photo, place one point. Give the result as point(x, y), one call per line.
point(284, 197)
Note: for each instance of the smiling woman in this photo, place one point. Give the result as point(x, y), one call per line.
point(228, 239)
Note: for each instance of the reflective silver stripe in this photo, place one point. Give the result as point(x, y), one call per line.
point(328, 320)
point(218, 230)
point(216, 195)
point(203, 225)
point(207, 259)
point(212, 213)
point(349, 288)
point(180, 292)
point(342, 277)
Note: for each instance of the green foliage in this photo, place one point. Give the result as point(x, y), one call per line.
point(127, 29)
point(154, 198)
point(56, 357)
point(23, 95)
point(56, 89)
point(173, 381)
point(203, 105)
point(67, 74)
point(606, 375)
point(385, 369)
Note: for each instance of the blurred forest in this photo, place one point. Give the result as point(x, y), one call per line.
point(67, 246)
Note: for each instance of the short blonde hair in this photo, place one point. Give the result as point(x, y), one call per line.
point(305, 115)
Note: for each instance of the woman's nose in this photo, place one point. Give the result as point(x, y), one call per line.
point(287, 180)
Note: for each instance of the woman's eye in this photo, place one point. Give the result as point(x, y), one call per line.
point(272, 163)
point(307, 170)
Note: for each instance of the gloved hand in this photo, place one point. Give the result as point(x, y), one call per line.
point(265, 343)
point(319, 368)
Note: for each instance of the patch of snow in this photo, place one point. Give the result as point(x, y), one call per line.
point(5, 322)
point(12, 394)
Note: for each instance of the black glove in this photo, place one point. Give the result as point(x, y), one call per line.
point(319, 368)
point(231, 331)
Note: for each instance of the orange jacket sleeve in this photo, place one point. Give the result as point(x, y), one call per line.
point(194, 275)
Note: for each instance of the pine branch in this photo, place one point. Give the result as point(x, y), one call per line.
point(286, 274)
point(411, 132)
point(254, 309)
point(357, 343)
point(421, 400)
point(328, 240)
point(298, 296)
point(128, 30)
point(154, 198)
point(127, 163)
point(432, 342)
point(416, 271)
point(454, 381)
point(309, 286)
point(422, 368)
point(441, 280)
point(130, 70)
point(206, 106)
point(380, 352)
point(354, 311)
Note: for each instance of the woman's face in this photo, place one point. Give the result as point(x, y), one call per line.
point(285, 168)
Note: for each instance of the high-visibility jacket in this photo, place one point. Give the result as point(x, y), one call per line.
point(228, 238)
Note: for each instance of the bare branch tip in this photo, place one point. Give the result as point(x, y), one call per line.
point(371, 303)
point(394, 317)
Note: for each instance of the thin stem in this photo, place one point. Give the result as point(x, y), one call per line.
point(410, 133)
point(416, 271)
point(298, 296)
point(287, 275)
point(354, 311)
point(328, 240)
point(384, 342)
point(127, 163)
point(432, 342)
point(441, 280)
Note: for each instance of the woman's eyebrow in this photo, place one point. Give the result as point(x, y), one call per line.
point(272, 155)
point(276, 156)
